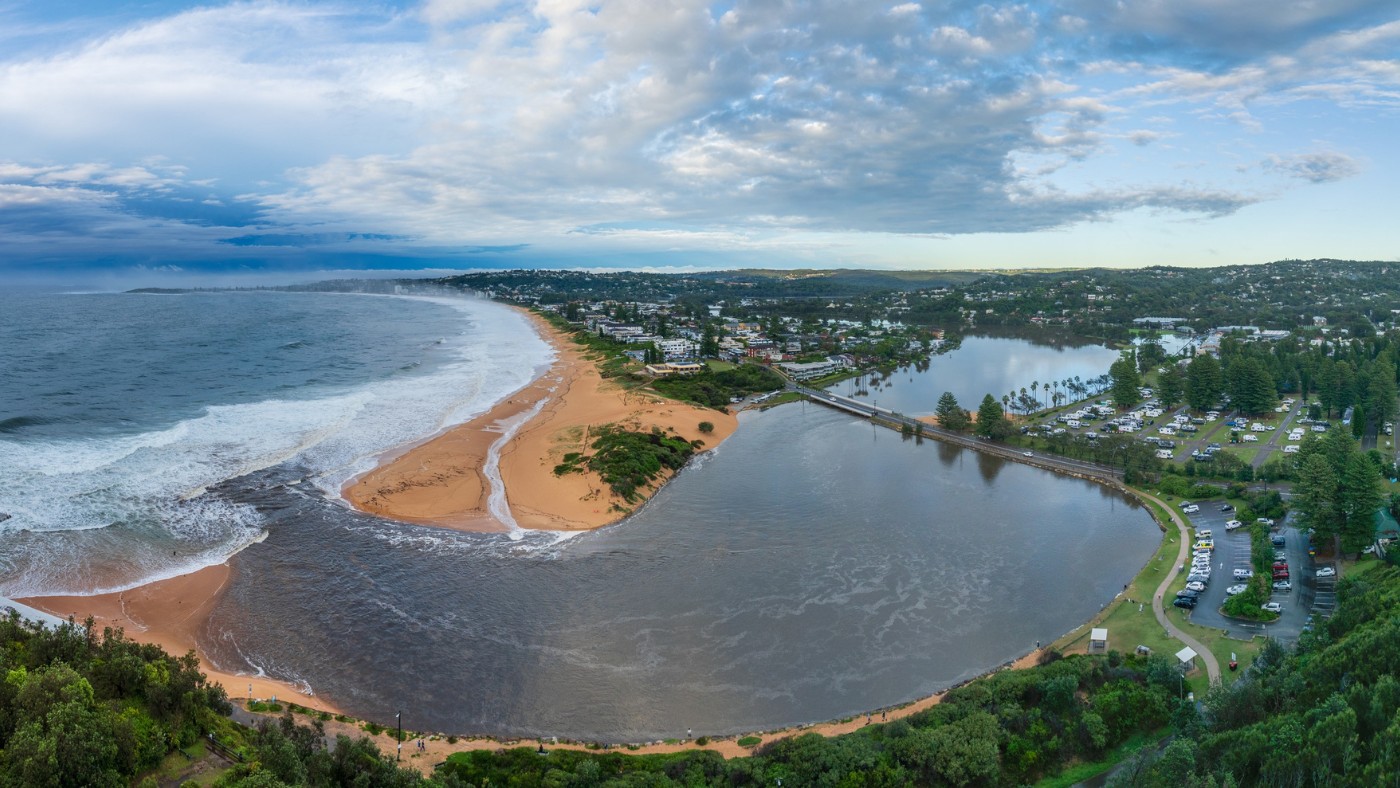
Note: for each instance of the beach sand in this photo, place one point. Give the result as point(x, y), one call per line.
point(173, 614)
point(443, 482)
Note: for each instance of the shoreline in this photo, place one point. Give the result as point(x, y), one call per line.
point(174, 614)
point(447, 480)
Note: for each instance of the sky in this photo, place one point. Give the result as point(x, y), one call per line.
point(167, 138)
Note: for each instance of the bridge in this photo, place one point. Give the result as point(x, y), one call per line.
point(899, 421)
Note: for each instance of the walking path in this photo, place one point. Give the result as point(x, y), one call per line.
point(1212, 664)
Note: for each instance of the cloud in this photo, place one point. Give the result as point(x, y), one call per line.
point(1323, 167)
point(480, 124)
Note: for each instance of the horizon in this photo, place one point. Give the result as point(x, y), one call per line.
point(174, 142)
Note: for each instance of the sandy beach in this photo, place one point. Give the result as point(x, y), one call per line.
point(443, 482)
point(172, 614)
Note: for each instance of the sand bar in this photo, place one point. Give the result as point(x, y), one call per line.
point(443, 481)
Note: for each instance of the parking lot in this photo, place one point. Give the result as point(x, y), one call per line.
point(1309, 592)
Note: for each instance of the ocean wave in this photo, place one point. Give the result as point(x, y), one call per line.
point(151, 487)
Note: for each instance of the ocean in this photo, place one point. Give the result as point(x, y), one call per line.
point(118, 412)
point(810, 568)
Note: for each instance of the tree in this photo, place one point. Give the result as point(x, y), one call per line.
point(1125, 382)
point(950, 414)
point(1252, 389)
point(1315, 493)
point(1204, 382)
point(1359, 497)
point(1171, 386)
point(991, 420)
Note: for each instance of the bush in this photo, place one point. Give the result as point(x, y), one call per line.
point(703, 740)
point(706, 427)
point(750, 741)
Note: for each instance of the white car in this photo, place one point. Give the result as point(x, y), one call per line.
point(1192, 509)
point(1327, 571)
point(1272, 607)
point(1249, 438)
point(1195, 586)
point(1204, 533)
point(1282, 585)
point(1232, 590)
point(1231, 525)
point(1243, 574)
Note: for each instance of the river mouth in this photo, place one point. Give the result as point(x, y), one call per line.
point(812, 568)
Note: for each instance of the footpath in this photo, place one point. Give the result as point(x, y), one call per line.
point(1212, 664)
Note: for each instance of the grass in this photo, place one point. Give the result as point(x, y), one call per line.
point(1245, 451)
point(193, 764)
point(786, 396)
point(1083, 771)
point(716, 365)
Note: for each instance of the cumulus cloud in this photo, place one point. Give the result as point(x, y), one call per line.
point(484, 123)
point(1323, 167)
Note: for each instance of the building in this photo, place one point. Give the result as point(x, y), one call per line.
point(1159, 322)
point(811, 369)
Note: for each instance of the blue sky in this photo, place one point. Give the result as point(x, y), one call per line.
point(168, 136)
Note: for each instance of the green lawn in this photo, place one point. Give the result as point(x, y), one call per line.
point(1245, 451)
point(716, 365)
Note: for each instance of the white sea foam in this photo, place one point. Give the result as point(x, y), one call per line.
point(143, 495)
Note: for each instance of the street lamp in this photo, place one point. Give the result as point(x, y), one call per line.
point(398, 722)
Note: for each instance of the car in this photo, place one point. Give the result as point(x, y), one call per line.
point(1192, 509)
point(1279, 541)
point(1204, 533)
point(1028, 453)
point(1231, 525)
point(1185, 504)
point(1196, 586)
point(1280, 575)
point(1197, 577)
point(1243, 574)
point(1282, 585)
point(1225, 507)
point(1187, 592)
point(1264, 521)
point(1327, 571)
point(1184, 602)
point(1237, 589)
point(1280, 557)
point(1272, 607)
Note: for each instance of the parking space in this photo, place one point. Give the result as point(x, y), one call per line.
point(1232, 551)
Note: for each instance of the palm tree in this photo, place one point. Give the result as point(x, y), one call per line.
point(1035, 384)
point(1046, 387)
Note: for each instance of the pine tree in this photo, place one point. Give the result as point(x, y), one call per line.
point(1171, 386)
point(949, 412)
point(991, 420)
point(1204, 382)
point(1314, 495)
point(1359, 497)
point(1125, 382)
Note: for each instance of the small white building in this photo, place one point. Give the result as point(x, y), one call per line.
point(1186, 659)
point(1098, 640)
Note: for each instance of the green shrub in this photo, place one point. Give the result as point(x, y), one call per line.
point(750, 741)
point(703, 740)
point(706, 427)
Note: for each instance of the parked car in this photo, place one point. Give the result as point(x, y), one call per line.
point(1243, 574)
point(1184, 504)
point(1327, 571)
point(1192, 509)
point(1186, 592)
point(1231, 525)
point(1272, 607)
point(1185, 602)
point(1282, 585)
point(1238, 589)
point(1265, 521)
point(1281, 574)
point(1196, 586)
point(1279, 541)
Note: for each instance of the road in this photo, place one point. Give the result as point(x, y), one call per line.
point(1050, 461)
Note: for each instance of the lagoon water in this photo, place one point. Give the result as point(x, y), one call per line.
point(810, 568)
point(991, 363)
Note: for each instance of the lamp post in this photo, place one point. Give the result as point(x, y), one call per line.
point(398, 722)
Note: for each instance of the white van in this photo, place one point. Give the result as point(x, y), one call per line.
point(1164, 454)
point(1290, 449)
